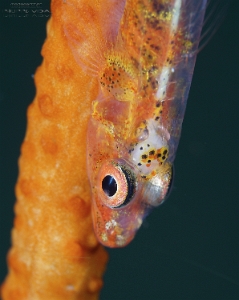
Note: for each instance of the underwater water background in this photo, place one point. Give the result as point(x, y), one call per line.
point(189, 247)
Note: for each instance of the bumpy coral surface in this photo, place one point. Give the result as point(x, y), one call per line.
point(54, 253)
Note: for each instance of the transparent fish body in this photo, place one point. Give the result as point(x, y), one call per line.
point(144, 69)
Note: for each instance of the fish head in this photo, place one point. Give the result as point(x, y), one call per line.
point(121, 196)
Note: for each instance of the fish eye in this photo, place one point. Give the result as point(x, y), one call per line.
point(157, 189)
point(170, 185)
point(117, 184)
point(109, 185)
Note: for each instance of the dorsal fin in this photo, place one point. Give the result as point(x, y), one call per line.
point(215, 15)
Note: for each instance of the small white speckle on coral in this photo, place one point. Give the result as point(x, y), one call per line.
point(70, 288)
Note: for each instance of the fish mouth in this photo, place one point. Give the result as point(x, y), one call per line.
point(114, 229)
point(114, 240)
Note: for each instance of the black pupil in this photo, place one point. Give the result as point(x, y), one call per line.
point(109, 185)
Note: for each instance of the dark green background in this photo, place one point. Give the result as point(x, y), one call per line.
point(189, 247)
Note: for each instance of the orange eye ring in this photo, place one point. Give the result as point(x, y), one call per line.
point(116, 184)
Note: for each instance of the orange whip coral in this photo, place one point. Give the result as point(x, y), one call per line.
point(54, 253)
